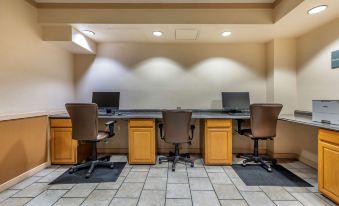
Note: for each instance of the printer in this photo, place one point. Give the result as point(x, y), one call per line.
point(325, 111)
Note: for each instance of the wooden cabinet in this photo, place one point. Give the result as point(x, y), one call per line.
point(141, 141)
point(217, 141)
point(328, 164)
point(65, 150)
point(63, 147)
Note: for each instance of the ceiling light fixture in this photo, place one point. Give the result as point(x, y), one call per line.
point(157, 33)
point(88, 32)
point(226, 33)
point(317, 9)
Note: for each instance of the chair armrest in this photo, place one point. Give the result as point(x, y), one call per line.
point(161, 126)
point(110, 128)
point(192, 132)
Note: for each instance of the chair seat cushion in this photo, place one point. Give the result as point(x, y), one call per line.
point(102, 135)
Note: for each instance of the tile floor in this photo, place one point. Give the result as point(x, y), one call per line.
point(158, 185)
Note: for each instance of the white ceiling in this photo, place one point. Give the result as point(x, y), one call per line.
point(294, 24)
point(155, 1)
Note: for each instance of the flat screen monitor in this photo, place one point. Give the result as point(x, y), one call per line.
point(106, 99)
point(236, 101)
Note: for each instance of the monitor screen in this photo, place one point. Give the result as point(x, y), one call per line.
point(237, 101)
point(106, 99)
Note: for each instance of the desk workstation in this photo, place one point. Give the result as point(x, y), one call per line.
point(162, 103)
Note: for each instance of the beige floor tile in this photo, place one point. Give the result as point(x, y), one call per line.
point(140, 168)
point(130, 190)
point(15, 201)
point(61, 187)
point(309, 199)
point(81, 190)
point(233, 203)
point(25, 183)
point(177, 177)
point(178, 202)
point(257, 199)
point(6, 194)
point(32, 191)
point(219, 178)
point(243, 187)
point(124, 202)
point(178, 191)
point(152, 198)
point(51, 176)
point(99, 198)
point(288, 203)
point(214, 169)
point(136, 177)
point(71, 201)
point(204, 198)
point(155, 183)
point(227, 192)
point(277, 193)
point(47, 198)
point(200, 183)
point(296, 189)
point(157, 172)
point(125, 171)
point(196, 172)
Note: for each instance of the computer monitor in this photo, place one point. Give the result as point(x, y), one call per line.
point(106, 100)
point(236, 101)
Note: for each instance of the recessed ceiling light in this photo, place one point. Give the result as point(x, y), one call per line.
point(157, 33)
point(226, 33)
point(317, 9)
point(88, 32)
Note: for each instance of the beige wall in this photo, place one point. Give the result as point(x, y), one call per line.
point(281, 73)
point(34, 75)
point(170, 75)
point(315, 78)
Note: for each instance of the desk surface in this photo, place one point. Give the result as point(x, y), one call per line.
point(205, 114)
point(156, 114)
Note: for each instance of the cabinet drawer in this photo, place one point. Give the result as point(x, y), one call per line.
point(218, 123)
point(141, 123)
point(63, 123)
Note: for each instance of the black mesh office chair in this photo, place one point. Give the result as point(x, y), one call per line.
point(177, 127)
point(263, 121)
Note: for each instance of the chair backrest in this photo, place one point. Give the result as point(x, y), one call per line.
point(176, 125)
point(84, 119)
point(264, 119)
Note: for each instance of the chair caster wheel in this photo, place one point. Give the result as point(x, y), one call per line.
point(87, 175)
point(160, 162)
point(237, 155)
point(243, 164)
point(173, 170)
point(192, 165)
point(71, 171)
point(112, 166)
point(269, 169)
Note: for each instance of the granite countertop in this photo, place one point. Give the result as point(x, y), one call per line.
point(156, 114)
point(307, 120)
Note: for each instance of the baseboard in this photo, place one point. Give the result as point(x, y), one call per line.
point(23, 176)
point(308, 162)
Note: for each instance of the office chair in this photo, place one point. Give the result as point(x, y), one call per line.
point(84, 118)
point(177, 127)
point(263, 123)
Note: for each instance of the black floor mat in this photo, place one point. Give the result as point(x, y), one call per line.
point(255, 175)
point(100, 174)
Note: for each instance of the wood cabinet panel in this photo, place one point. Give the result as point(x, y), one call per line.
point(141, 142)
point(63, 147)
point(217, 148)
point(61, 123)
point(328, 167)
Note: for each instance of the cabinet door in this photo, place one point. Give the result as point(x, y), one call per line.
point(63, 147)
point(141, 143)
point(218, 146)
point(328, 168)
